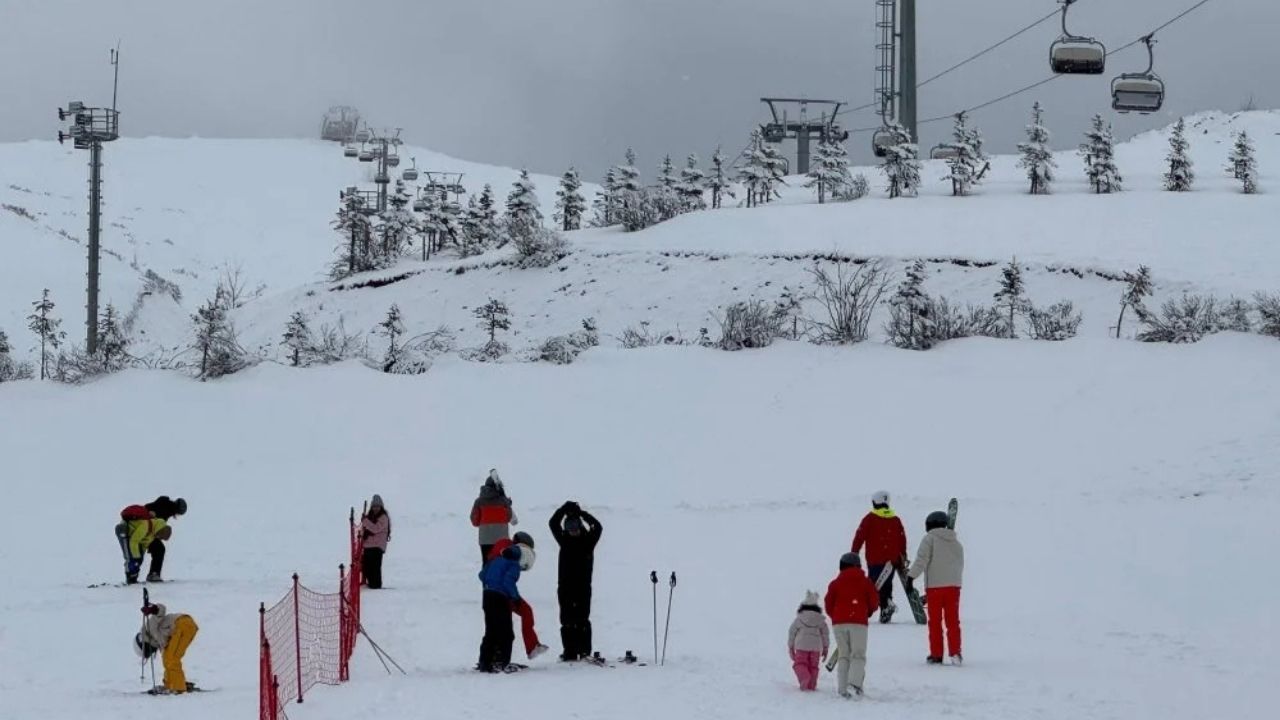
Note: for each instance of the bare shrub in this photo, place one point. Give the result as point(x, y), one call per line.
point(564, 349)
point(1185, 320)
point(751, 324)
point(847, 299)
point(1059, 321)
point(642, 336)
point(1269, 308)
point(951, 322)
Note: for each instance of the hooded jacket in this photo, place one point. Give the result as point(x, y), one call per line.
point(141, 534)
point(375, 528)
point(940, 559)
point(158, 628)
point(882, 533)
point(491, 513)
point(851, 598)
point(809, 631)
point(502, 573)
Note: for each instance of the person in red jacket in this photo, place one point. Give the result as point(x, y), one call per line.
point(885, 539)
point(851, 598)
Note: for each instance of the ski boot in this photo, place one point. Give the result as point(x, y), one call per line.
point(538, 650)
point(154, 578)
point(933, 660)
point(957, 659)
point(886, 613)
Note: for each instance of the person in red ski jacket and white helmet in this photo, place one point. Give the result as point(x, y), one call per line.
point(885, 539)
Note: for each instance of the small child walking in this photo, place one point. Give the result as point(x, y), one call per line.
point(808, 641)
point(941, 560)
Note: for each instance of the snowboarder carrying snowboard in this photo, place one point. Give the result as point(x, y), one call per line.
point(500, 577)
point(375, 533)
point(171, 634)
point(532, 646)
point(578, 532)
point(492, 515)
point(851, 598)
point(941, 560)
point(808, 641)
point(138, 531)
point(885, 539)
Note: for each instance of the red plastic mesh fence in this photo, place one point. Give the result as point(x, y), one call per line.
point(307, 638)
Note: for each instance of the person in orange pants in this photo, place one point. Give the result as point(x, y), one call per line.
point(940, 559)
point(171, 634)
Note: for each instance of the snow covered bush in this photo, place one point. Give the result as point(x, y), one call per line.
point(536, 246)
point(1181, 321)
point(640, 209)
point(1234, 316)
point(951, 322)
point(1137, 287)
point(11, 369)
point(1269, 308)
point(564, 349)
point(858, 188)
point(910, 325)
point(1059, 321)
point(751, 324)
point(216, 342)
point(642, 336)
point(847, 299)
point(332, 343)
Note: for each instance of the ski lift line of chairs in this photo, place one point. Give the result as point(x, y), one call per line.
point(1075, 54)
point(1141, 92)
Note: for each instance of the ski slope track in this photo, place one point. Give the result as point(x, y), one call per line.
point(1117, 498)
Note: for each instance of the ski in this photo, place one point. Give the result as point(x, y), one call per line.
point(913, 596)
point(161, 691)
point(953, 508)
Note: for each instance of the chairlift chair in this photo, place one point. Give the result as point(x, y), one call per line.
point(1075, 54)
point(943, 151)
point(1141, 92)
point(393, 160)
point(350, 151)
point(410, 173)
point(881, 141)
point(837, 133)
point(365, 156)
point(363, 135)
point(773, 133)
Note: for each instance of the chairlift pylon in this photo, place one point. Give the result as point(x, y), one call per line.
point(1141, 92)
point(1076, 54)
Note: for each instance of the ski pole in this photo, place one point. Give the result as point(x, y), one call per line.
point(653, 578)
point(670, 593)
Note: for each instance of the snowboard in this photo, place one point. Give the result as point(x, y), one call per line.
point(953, 508)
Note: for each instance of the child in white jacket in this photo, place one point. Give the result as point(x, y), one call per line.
point(808, 641)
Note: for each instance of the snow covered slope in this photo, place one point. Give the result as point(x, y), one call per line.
point(1117, 504)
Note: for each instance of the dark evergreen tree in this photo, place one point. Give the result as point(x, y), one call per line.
point(392, 328)
point(42, 322)
point(1098, 151)
point(1011, 299)
point(1243, 165)
point(692, 182)
point(911, 324)
point(356, 252)
point(667, 178)
point(717, 182)
point(297, 338)
point(1181, 175)
point(219, 350)
point(605, 204)
point(493, 316)
point(1037, 157)
point(113, 345)
point(570, 205)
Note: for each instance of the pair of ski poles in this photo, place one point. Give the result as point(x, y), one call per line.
point(671, 585)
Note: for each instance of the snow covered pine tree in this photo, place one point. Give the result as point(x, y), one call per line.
point(911, 324)
point(901, 164)
point(717, 183)
point(690, 187)
point(1037, 158)
point(830, 171)
point(42, 322)
point(570, 204)
point(1243, 166)
point(1137, 287)
point(1180, 176)
point(1098, 151)
point(969, 163)
point(1011, 299)
point(522, 202)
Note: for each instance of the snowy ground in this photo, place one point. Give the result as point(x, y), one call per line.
point(1115, 499)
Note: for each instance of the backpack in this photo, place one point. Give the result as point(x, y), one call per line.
point(135, 512)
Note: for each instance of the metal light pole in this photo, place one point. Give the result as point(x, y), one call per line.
point(90, 127)
point(908, 65)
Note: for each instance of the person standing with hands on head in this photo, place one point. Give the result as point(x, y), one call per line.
point(850, 600)
point(941, 560)
point(885, 539)
point(577, 532)
point(375, 533)
point(492, 515)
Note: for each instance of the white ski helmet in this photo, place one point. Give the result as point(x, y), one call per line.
point(527, 557)
point(141, 648)
point(880, 497)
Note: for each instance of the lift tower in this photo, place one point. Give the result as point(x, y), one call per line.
point(896, 65)
point(802, 129)
point(90, 127)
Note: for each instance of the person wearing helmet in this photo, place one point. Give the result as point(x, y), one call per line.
point(375, 533)
point(491, 514)
point(165, 509)
point(577, 532)
point(940, 559)
point(500, 577)
point(170, 635)
point(885, 539)
point(850, 600)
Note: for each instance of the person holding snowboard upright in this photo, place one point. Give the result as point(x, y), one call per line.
point(492, 515)
point(137, 531)
point(171, 634)
point(375, 533)
point(941, 560)
point(578, 532)
point(885, 540)
point(850, 600)
point(808, 641)
point(165, 509)
point(500, 577)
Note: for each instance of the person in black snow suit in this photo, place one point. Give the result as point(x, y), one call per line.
point(166, 509)
point(577, 531)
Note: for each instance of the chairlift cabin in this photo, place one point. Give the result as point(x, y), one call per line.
point(339, 123)
point(365, 156)
point(1075, 54)
point(881, 141)
point(1139, 92)
point(393, 160)
point(943, 151)
point(363, 135)
point(410, 173)
point(350, 151)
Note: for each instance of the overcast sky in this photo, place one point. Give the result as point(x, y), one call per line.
point(548, 83)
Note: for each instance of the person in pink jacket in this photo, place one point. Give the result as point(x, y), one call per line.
point(375, 533)
point(808, 641)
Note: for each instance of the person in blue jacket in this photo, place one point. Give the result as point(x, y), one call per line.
point(500, 578)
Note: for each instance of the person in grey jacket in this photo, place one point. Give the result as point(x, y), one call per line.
point(808, 640)
point(492, 515)
point(941, 560)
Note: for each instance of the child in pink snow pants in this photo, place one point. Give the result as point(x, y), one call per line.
point(808, 641)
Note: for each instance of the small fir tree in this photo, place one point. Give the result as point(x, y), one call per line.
point(570, 204)
point(11, 369)
point(605, 204)
point(355, 251)
point(1098, 151)
point(392, 328)
point(829, 173)
point(627, 175)
point(493, 316)
point(113, 345)
point(1243, 165)
point(969, 163)
point(1011, 299)
point(522, 202)
point(667, 178)
point(901, 164)
point(754, 174)
point(42, 322)
point(717, 182)
point(1037, 157)
point(297, 338)
point(690, 188)
point(911, 325)
point(220, 352)
point(1137, 287)
point(1181, 175)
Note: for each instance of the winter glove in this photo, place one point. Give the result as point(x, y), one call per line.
point(150, 610)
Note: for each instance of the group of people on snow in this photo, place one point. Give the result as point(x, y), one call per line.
point(852, 597)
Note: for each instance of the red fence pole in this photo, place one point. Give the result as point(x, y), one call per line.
point(297, 635)
point(343, 620)
point(264, 683)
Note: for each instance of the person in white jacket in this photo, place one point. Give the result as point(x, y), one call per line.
point(808, 640)
point(941, 560)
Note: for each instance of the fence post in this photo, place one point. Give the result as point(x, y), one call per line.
point(297, 636)
point(344, 620)
point(264, 668)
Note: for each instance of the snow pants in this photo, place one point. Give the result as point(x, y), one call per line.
point(851, 668)
point(371, 567)
point(886, 590)
point(184, 631)
point(575, 621)
point(527, 632)
point(484, 554)
point(495, 648)
point(805, 664)
point(156, 548)
point(944, 610)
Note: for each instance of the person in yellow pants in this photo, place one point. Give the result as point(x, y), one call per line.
point(171, 634)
